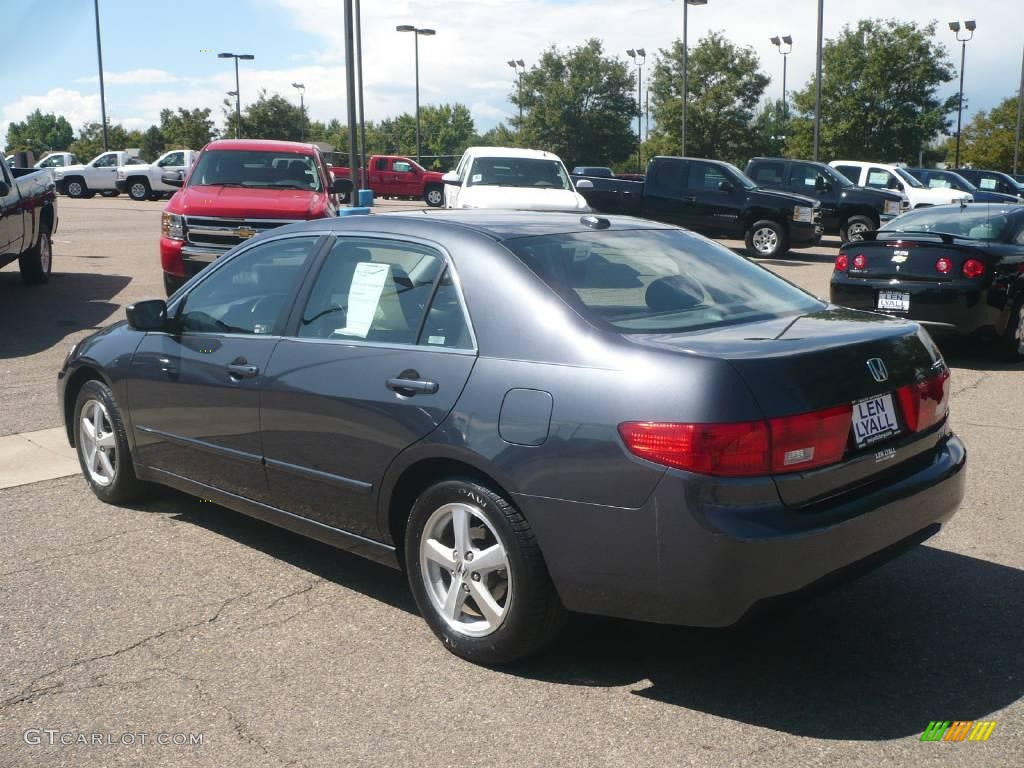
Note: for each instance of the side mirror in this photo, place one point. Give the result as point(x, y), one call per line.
point(149, 315)
point(584, 184)
point(821, 184)
point(341, 187)
point(451, 178)
point(173, 178)
point(726, 186)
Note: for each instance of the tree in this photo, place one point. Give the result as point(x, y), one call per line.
point(987, 140)
point(90, 140)
point(40, 133)
point(879, 94)
point(498, 136)
point(579, 104)
point(769, 130)
point(269, 117)
point(724, 86)
point(153, 144)
point(187, 128)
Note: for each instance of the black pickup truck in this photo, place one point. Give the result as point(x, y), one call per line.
point(846, 209)
point(714, 198)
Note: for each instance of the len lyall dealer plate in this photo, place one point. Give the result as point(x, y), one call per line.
point(894, 300)
point(874, 419)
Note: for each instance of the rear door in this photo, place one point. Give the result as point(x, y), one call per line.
point(383, 179)
point(664, 193)
point(378, 351)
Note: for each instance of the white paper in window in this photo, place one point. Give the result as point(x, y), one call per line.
point(364, 297)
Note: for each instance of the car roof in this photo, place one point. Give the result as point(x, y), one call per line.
point(263, 145)
point(1015, 210)
point(511, 152)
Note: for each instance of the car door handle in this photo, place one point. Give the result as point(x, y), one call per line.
point(412, 387)
point(241, 371)
point(690, 199)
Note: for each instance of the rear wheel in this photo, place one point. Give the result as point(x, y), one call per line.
point(76, 188)
point(138, 189)
point(478, 575)
point(855, 228)
point(766, 238)
point(35, 263)
point(1012, 341)
point(434, 197)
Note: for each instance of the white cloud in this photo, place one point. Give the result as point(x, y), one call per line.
point(131, 77)
point(73, 105)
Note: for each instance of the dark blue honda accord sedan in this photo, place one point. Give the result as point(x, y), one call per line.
point(530, 413)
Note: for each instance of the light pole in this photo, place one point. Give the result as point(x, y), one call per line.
point(238, 98)
point(520, 68)
point(302, 108)
point(817, 81)
point(954, 26)
point(1020, 112)
point(639, 56)
point(787, 41)
point(416, 32)
point(686, 66)
point(99, 57)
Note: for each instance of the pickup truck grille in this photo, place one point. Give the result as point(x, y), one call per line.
point(208, 232)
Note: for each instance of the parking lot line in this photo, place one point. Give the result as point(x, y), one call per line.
point(33, 456)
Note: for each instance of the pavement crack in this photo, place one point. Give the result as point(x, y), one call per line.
point(990, 426)
point(981, 380)
point(34, 564)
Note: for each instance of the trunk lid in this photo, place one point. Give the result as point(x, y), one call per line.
point(912, 257)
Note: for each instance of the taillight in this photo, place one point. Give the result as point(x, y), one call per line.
point(744, 449)
point(925, 403)
point(842, 262)
point(973, 268)
point(943, 265)
point(860, 261)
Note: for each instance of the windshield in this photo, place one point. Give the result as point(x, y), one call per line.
point(263, 170)
point(518, 172)
point(835, 176)
point(657, 281)
point(978, 222)
point(908, 178)
point(741, 177)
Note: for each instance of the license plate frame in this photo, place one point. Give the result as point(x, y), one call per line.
point(893, 301)
point(874, 420)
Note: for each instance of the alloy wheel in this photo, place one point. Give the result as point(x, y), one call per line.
point(139, 191)
point(45, 253)
point(856, 232)
point(765, 240)
point(75, 189)
point(465, 569)
point(434, 197)
point(96, 443)
point(1019, 334)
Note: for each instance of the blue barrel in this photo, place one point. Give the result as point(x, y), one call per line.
point(361, 211)
point(365, 198)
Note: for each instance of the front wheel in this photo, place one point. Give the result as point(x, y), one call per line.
point(855, 227)
point(102, 446)
point(478, 576)
point(434, 197)
point(1012, 341)
point(35, 263)
point(138, 189)
point(766, 239)
point(76, 188)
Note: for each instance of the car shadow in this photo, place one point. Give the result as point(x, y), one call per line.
point(975, 355)
point(35, 318)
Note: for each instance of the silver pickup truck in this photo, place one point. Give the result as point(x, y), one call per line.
point(28, 219)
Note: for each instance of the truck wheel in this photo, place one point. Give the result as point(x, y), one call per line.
point(766, 238)
point(1011, 343)
point(855, 227)
point(138, 189)
point(434, 197)
point(76, 188)
point(35, 263)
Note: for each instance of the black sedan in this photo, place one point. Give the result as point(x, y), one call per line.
point(958, 270)
point(530, 413)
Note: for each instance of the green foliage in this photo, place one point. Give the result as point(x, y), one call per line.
point(187, 128)
point(725, 85)
point(269, 117)
point(878, 94)
point(90, 140)
point(500, 135)
point(153, 144)
point(579, 104)
point(987, 140)
point(40, 133)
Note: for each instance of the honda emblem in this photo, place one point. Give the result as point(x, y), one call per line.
point(878, 370)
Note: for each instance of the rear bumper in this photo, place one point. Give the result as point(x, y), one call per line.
point(680, 559)
point(944, 308)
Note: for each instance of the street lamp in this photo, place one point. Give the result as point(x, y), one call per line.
point(639, 56)
point(302, 108)
point(787, 41)
point(686, 5)
point(520, 67)
point(954, 26)
point(416, 32)
point(238, 98)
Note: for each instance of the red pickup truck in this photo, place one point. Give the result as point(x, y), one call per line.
point(237, 189)
point(399, 177)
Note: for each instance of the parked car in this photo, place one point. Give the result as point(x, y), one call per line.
point(479, 397)
point(28, 219)
point(846, 209)
point(98, 175)
point(955, 269)
point(395, 176)
point(144, 181)
point(238, 188)
point(993, 181)
point(715, 199)
point(935, 178)
point(593, 170)
point(886, 176)
point(502, 177)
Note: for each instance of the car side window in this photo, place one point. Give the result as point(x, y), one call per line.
point(804, 176)
point(382, 164)
point(879, 178)
point(705, 176)
point(445, 325)
point(371, 289)
point(668, 179)
point(852, 172)
point(249, 294)
point(106, 161)
point(401, 166)
point(175, 158)
point(768, 173)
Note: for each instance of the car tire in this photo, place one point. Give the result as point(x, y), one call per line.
point(103, 451)
point(1011, 342)
point(37, 262)
point(521, 612)
point(766, 239)
point(434, 196)
point(76, 188)
point(138, 189)
point(855, 227)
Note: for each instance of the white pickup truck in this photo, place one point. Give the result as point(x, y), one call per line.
point(99, 175)
point(143, 182)
point(893, 177)
point(57, 160)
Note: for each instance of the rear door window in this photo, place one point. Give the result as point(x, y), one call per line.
point(852, 172)
point(668, 179)
point(769, 174)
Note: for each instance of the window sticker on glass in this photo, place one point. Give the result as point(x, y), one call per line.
point(477, 178)
point(435, 340)
point(363, 297)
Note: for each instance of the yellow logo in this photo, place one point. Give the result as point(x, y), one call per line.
point(245, 233)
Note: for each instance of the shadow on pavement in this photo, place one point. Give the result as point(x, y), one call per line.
point(975, 354)
point(36, 317)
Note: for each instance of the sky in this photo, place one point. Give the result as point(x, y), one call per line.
point(158, 54)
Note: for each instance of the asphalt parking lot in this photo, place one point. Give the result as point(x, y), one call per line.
point(179, 617)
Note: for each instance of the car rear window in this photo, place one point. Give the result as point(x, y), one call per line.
point(657, 281)
point(975, 221)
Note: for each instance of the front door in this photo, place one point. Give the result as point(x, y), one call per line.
point(713, 210)
point(366, 370)
point(803, 179)
point(105, 172)
point(194, 394)
point(407, 180)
